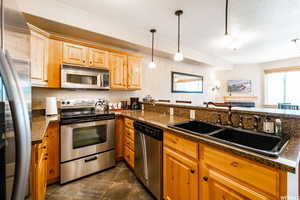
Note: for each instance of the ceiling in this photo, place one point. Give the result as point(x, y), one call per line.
point(264, 27)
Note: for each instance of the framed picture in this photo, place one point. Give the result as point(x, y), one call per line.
point(186, 83)
point(239, 86)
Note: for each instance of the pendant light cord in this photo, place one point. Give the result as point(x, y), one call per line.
point(152, 45)
point(226, 18)
point(178, 44)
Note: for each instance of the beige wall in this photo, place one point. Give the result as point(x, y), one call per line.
point(251, 72)
point(156, 82)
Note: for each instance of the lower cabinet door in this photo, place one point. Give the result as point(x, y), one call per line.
point(217, 186)
point(180, 177)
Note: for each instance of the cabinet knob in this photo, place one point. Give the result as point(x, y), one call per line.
point(234, 164)
point(192, 171)
point(46, 158)
point(83, 61)
point(205, 178)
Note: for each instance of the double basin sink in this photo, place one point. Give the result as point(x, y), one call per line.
point(257, 142)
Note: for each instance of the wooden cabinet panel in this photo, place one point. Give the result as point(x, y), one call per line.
point(98, 58)
point(180, 177)
point(53, 152)
point(134, 72)
point(217, 185)
point(39, 159)
point(129, 143)
point(54, 63)
point(128, 123)
point(118, 71)
point(74, 54)
point(129, 156)
point(119, 137)
point(264, 178)
point(129, 133)
point(39, 59)
point(185, 146)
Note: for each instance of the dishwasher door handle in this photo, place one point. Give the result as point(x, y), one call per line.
point(144, 154)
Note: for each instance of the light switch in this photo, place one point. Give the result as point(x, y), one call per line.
point(192, 114)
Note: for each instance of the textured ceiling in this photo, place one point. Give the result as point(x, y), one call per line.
point(264, 27)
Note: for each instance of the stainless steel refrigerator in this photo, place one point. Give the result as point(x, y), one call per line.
point(15, 102)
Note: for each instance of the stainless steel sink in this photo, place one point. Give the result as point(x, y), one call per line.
point(261, 143)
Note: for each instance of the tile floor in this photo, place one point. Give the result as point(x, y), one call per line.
point(118, 183)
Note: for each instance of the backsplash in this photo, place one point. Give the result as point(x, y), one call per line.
point(291, 126)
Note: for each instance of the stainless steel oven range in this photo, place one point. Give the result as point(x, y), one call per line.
point(87, 139)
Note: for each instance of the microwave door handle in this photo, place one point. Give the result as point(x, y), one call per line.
point(22, 128)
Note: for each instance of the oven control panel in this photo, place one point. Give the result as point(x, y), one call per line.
point(70, 103)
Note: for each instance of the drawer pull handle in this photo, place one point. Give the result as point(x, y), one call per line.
point(192, 171)
point(205, 178)
point(173, 141)
point(234, 164)
point(90, 159)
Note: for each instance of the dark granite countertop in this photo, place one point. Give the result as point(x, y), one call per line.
point(288, 159)
point(256, 110)
point(39, 127)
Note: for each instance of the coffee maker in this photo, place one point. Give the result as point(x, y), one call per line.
point(134, 103)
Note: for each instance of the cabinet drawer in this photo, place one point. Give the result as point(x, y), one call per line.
point(129, 123)
point(129, 156)
point(129, 143)
point(129, 133)
point(185, 146)
point(248, 172)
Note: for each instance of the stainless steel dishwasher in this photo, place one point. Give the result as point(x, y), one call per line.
point(148, 157)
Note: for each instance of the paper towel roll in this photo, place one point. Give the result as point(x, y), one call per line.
point(51, 106)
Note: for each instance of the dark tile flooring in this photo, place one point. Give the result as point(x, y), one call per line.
point(118, 183)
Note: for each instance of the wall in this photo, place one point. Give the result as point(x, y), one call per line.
point(251, 72)
point(156, 82)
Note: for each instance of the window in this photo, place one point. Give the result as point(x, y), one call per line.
point(282, 87)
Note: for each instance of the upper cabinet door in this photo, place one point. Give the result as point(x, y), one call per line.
point(118, 71)
point(134, 72)
point(98, 58)
point(74, 54)
point(39, 59)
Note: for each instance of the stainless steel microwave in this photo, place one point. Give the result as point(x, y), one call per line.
point(77, 77)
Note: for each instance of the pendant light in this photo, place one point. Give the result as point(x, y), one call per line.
point(230, 41)
point(178, 55)
point(152, 64)
point(297, 43)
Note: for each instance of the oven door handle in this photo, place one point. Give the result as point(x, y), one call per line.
point(91, 159)
point(88, 124)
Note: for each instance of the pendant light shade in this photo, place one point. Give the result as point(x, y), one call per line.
point(152, 64)
point(178, 56)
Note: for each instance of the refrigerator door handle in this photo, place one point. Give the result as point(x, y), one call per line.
point(22, 127)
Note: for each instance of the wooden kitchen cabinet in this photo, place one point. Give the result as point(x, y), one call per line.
point(75, 54)
point(39, 57)
point(134, 73)
point(180, 176)
point(128, 142)
point(118, 71)
point(245, 178)
point(98, 58)
point(54, 63)
point(119, 137)
point(39, 162)
point(53, 152)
